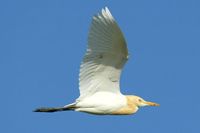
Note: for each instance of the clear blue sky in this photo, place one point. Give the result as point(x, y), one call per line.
point(42, 43)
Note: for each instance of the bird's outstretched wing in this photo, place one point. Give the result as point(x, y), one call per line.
point(105, 57)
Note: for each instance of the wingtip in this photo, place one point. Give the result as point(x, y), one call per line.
point(106, 8)
point(106, 13)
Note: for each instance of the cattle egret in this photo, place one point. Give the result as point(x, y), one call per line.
point(100, 72)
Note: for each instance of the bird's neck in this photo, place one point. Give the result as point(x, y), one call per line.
point(131, 104)
point(130, 108)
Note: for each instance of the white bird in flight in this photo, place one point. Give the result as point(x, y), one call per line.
point(100, 72)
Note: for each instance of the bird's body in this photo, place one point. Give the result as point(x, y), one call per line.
point(102, 103)
point(100, 72)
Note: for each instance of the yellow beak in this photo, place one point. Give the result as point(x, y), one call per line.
point(152, 103)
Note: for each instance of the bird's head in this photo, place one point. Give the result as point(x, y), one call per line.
point(140, 102)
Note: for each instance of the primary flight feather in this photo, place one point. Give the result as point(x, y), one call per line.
point(100, 72)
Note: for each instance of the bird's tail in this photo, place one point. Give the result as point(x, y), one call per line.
point(55, 109)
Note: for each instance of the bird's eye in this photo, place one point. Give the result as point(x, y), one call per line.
point(140, 100)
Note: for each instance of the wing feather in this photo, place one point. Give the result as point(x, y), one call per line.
point(105, 56)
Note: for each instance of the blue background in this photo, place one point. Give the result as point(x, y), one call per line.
point(42, 43)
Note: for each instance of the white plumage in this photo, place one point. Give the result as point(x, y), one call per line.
point(100, 72)
point(105, 57)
